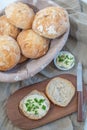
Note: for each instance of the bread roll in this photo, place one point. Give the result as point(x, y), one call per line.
point(60, 91)
point(35, 105)
point(20, 15)
point(32, 45)
point(51, 22)
point(9, 53)
point(7, 28)
point(22, 59)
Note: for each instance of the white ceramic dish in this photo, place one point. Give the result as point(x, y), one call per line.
point(31, 67)
point(64, 60)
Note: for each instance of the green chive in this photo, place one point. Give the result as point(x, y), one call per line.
point(44, 107)
point(36, 113)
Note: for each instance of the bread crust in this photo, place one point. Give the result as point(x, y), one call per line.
point(34, 117)
point(32, 45)
point(22, 59)
point(20, 15)
point(60, 91)
point(7, 28)
point(51, 22)
point(9, 53)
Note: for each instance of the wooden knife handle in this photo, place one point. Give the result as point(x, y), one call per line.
point(80, 116)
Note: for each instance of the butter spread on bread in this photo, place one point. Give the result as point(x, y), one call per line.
point(35, 105)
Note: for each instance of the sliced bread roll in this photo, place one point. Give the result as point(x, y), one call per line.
point(35, 105)
point(60, 91)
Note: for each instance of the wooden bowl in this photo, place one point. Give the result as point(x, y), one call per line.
point(31, 67)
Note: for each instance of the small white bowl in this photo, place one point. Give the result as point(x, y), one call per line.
point(64, 60)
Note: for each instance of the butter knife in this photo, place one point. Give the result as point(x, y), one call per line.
point(80, 114)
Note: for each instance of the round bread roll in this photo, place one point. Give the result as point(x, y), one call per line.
point(20, 15)
point(22, 59)
point(51, 22)
point(32, 45)
point(60, 91)
point(7, 28)
point(35, 105)
point(9, 53)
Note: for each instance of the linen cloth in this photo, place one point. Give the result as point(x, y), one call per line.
point(77, 45)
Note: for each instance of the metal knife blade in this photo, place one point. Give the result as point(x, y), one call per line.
point(80, 93)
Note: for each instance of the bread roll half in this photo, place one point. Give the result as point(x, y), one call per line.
point(60, 91)
point(35, 105)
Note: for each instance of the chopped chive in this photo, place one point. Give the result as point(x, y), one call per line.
point(29, 100)
point(29, 109)
point(36, 113)
point(26, 104)
point(35, 99)
point(44, 107)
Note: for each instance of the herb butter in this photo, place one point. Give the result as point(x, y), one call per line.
point(64, 60)
point(35, 104)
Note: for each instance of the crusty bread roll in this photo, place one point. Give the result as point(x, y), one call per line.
point(60, 91)
point(7, 28)
point(51, 22)
point(32, 45)
point(35, 105)
point(22, 59)
point(20, 15)
point(9, 53)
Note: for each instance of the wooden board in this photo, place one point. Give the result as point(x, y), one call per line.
point(54, 113)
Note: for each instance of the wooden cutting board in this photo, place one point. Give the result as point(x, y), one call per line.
point(54, 113)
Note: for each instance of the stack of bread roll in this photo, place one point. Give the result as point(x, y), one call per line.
point(25, 34)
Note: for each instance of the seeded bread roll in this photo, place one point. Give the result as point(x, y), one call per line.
point(7, 28)
point(60, 91)
point(9, 53)
point(51, 22)
point(35, 105)
point(32, 45)
point(20, 15)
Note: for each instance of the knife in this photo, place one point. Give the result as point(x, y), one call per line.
point(80, 114)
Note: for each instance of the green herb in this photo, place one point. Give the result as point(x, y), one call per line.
point(27, 104)
point(29, 108)
point(66, 62)
point(44, 107)
point(61, 58)
point(33, 105)
point(29, 100)
point(35, 99)
point(36, 113)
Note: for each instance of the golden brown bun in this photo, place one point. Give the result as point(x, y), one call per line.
point(51, 22)
point(32, 45)
point(7, 28)
point(22, 59)
point(9, 53)
point(20, 15)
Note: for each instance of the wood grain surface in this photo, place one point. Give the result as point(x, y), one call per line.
point(55, 112)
